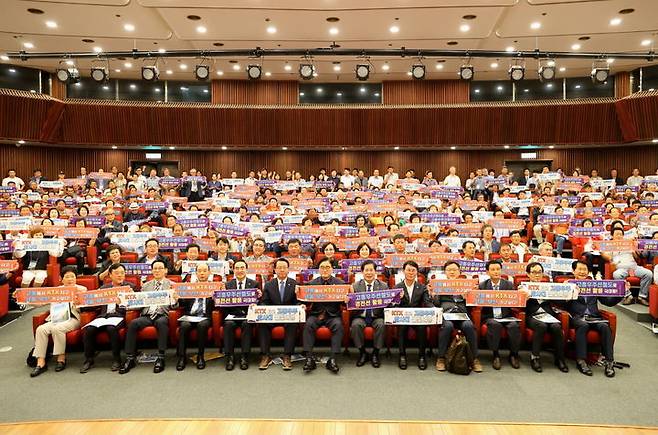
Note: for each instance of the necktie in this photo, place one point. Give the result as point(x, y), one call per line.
point(369, 310)
point(153, 310)
point(282, 289)
point(239, 285)
point(198, 307)
point(497, 312)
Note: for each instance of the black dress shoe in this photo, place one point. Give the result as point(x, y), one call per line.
point(127, 365)
point(180, 365)
point(583, 367)
point(200, 362)
point(61, 365)
point(514, 361)
point(159, 364)
point(562, 365)
point(422, 362)
point(87, 365)
point(230, 362)
point(496, 363)
point(402, 362)
point(116, 366)
point(609, 368)
point(535, 363)
point(38, 370)
point(332, 366)
point(374, 360)
point(363, 358)
point(309, 364)
point(244, 362)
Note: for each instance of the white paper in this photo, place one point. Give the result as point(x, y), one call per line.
point(507, 319)
point(232, 317)
point(546, 318)
point(455, 316)
point(192, 319)
point(101, 321)
point(59, 312)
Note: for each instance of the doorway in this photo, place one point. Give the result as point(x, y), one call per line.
point(159, 166)
point(517, 166)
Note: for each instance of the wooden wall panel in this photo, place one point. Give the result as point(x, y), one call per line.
point(425, 92)
point(52, 160)
point(259, 92)
point(623, 86)
point(57, 88)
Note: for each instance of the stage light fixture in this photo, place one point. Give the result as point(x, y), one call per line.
point(546, 73)
point(202, 72)
point(150, 73)
point(466, 72)
point(516, 73)
point(306, 71)
point(362, 71)
point(68, 75)
point(100, 74)
point(254, 72)
point(418, 71)
point(600, 75)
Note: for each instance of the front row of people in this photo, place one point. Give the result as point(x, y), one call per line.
point(541, 318)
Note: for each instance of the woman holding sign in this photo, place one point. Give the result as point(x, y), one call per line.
point(64, 317)
point(35, 262)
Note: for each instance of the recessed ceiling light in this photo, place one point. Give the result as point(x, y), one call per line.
point(394, 29)
point(172, 148)
point(453, 148)
point(236, 67)
point(129, 27)
point(169, 72)
point(610, 60)
point(336, 68)
point(224, 148)
point(193, 17)
point(182, 66)
point(477, 91)
point(117, 70)
point(161, 50)
point(409, 73)
point(439, 66)
point(4, 57)
point(201, 29)
point(575, 47)
point(577, 86)
point(271, 30)
point(106, 88)
point(551, 147)
point(114, 147)
point(284, 148)
point(333, 31)
point(510, 49)
point(98, 49)
point(156, 89)
point(526, 90)
point(28, 45)
point(654, 141)
point(133, 86)
point(339, 94)
point(376, 94)
point(464, 28)
point(506, 147)
point(127, 65)
point(646, 42)
point(469, 17)
point(267, 73)
point(21, 142)
point(288, 67)
point(562, 69)
point(70, 62)
point(12, 70)
point(535, 25)
point(35, 11)
point(301, 94)
point(549, 85)
point(51, 24)
point(385, 67)
point(494, 65)
point(615, 21)
point(319, 90)
point(500, 88)
point(220, 73)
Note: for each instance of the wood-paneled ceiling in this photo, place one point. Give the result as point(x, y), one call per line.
point(120, 25)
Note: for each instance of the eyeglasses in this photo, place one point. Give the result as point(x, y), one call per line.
point(536, 272)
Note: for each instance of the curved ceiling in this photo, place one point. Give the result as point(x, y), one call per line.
point(120, 25)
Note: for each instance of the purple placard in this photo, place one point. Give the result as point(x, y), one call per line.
point(473, 266)
point(235, 298)
point(348, 232)
point(169, 181)
point(286, 228)
point(324, 184)
point(586, 232)
point(600, 287)
point(265, 183)
point(155, 205)
point(595, 210)
point(7, 189)
point(95, 221)
point(140, 269)
point(573, 180)
point(6, 246)
point(647, 245)
point(444, 194)
point(70, 202)
point(190, 178)
point(230, 230)
point(650, 202)
point(372, 299)
point(440, 218)
point(174, 243)
point(634, 189)
point(353, 265)
point(596, 220)
point(550, 219)
point(9, 212)
point(253, 209)
point(194, 223)
point(302, 237)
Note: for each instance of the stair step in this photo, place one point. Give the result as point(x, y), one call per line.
point(637, 312)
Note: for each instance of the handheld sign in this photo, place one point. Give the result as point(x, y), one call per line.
point(372, 299)
point(615, 245)
point(553, 264)
point(193, 290)
point(235, 298)
point(45, 295)
point(8, 266)
point(276, 314)
point(550, 290)
point(600, 287)
point(323, 293)
point(413, 316)
point(440, 287)
point(94, 298)
point(496, 298)
point(145, 299)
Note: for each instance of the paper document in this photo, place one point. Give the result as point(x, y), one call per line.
point(192, 319)
point(546, 318)
point(455, 316)
point(101, 321)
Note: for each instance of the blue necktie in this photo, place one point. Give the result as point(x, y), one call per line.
point(282, 289)
point(369, 310)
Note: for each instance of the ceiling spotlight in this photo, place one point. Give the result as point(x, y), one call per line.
point(333, 31)
point(546, 72)
point(337, 67)
point(453, 148)
point(516, 72)
point(150, 73)
point(600, 75)
point(28, 45)
point(394, 29)
point(615, 21)
point(288, 67)
point(254, 72)
point(271, 30)
point(464, 28)
point(466, 72)
point(100, 74)
point(385, 67)
point(306, 71)
point(201, 29)
point(129, 27)
point(4, 57)
point(51, 24)
point(509, 49)
point(98, 49)
point(162, 50)
point(575, 47)
point(202, 72)
point(68, 75)
point(494, 65)
point(535, 25)
point(646, 42)
point(563, 69)
point(362, 71)
point(418, 71)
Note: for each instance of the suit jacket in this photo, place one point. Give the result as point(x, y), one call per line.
point(271, 295)
point(419, 299)
point(238, 311)
point(360, 286)
point(577, 307)
point(533, 305)
point(331, 309)
point(160, 257)
point(487, 312)
point(119, 310)
point(186, 189)
point(188, 304)
point(149, 286)
point(117, 227)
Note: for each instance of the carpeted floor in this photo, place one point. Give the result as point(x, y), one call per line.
point(356, 393)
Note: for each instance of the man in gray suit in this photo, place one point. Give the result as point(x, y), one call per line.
point(157, 316)
point(369, 317)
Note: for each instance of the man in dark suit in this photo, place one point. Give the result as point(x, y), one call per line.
point(523, 179)
point(278, 291)
point(324, 314)
point(585, 316)
point(200, 308)
point(152, 254)
point(413, 294)
point(370, 317)
point(118, 276)
point(454, 304)
point(193, 189)
point(490, 316)
point(239, 282)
